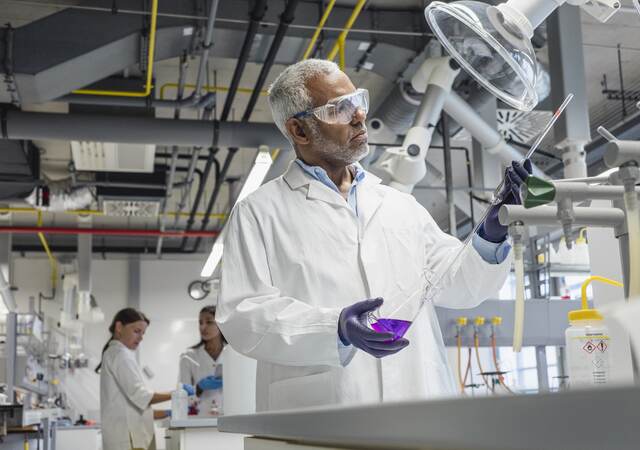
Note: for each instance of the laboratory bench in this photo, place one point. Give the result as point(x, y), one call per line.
point(606, 418)
point(198, 433)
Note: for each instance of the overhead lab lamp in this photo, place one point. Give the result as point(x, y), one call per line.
point(200, 289)
point(493, 43)
point(253, 181)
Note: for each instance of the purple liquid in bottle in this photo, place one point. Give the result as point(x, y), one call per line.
point(395, 326)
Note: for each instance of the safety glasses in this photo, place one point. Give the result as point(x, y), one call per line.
point(341, 109)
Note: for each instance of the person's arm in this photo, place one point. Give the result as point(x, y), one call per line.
point(184, 373)
point(130, 381)
point(159, 397)
point(255, 318)
point(160, 414)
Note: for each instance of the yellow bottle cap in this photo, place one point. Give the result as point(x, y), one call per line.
point(585, 314)
point(462, 321)
point(479, 321)
point(496, 320)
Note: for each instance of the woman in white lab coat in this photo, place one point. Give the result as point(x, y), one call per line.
point(125, 400)
point(201, 365)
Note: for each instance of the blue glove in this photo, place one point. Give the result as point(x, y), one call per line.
point(492, 230)
point(167, 412)
point(210, 383)
point(353, 330)
point(190, 390)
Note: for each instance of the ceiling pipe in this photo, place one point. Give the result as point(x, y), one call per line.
point(287, 16)
point(216, 191)
point(256, 16)
point(107, 232)
point(103, 249)
point(174, 151)
point(138, 130)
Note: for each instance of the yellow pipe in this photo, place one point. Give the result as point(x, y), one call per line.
point(346, 29)
point(587, 282)
point(47, 250)
point(100, 213)
point(341, 62)
point(207, 88)
point(150, 60)
point(319, 28)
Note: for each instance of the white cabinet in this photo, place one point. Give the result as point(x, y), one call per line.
point(79, 438)
point(198, 434)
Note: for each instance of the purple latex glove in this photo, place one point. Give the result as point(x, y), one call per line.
point(353, 330)
point(492, 230)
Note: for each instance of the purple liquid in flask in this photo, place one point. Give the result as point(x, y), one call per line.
point(396, 326)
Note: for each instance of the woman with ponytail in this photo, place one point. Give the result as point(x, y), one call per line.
point(125, 400)
point(201, 364)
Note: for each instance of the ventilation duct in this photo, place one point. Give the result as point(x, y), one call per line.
point(19, 169)
point(112, 157)
point(130, 208)
point(117, 198)
point(399, 108)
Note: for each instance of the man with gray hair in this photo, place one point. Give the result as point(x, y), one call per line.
point(311, 255)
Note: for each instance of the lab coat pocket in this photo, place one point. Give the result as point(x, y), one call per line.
point(405, 260)
point(302, 392)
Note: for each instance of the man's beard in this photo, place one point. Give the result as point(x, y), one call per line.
point(332, 152)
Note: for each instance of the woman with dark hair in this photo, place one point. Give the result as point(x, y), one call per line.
point(201, 365)
point(125, 400)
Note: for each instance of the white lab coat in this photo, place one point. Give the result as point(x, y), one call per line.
point(127, 419)
point(296, 254)
point(191, 373)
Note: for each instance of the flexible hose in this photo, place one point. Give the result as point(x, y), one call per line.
point(497, 366)
point(460, 380)
point(633, 226)
point(518, 319)
point(468, 369)
point(476, 344)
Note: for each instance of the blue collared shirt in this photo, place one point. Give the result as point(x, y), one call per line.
point(321, 175)
point(491, 252)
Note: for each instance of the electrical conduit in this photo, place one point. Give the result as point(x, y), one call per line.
point(150, 59)
point(343, 35)
point(319, 28)
point(52, 260)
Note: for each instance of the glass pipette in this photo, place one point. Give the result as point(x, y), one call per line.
point(430, 290)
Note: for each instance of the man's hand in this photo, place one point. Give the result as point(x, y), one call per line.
point(514, 176)
point(353, 330)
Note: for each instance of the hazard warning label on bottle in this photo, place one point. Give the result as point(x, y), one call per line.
point(589, 347)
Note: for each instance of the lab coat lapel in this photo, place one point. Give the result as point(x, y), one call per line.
point(370, 198)
point(296, 178)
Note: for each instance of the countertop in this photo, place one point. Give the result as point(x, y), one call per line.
point(578, 420)
point(192, 422)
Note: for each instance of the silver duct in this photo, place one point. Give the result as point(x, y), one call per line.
point(399, 108)
point(61, 197)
